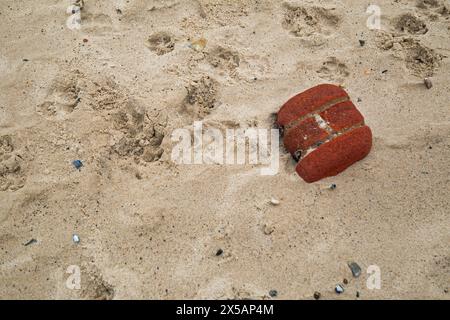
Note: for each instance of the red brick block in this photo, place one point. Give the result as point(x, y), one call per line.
point(342, 116)
point(304, 135)
point(324, 131)
point(308, 101)
point(335, 156)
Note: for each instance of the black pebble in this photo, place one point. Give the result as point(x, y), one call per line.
point(297, 155)
point(273, 293)
point(317, 295)
point(219, 252)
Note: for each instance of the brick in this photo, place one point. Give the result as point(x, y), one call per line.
point(309, 101)
point(335, 156)
point(342, 116)
point(328, 130)
point(304, 135)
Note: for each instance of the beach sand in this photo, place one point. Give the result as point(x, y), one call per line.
point(111, 93)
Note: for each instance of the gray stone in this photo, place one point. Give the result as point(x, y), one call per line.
point(355, 268)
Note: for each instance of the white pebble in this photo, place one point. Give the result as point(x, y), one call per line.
point(76, 238)
point(274, 201)
point(339, 289)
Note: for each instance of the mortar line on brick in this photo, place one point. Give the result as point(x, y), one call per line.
point(323, 108)
point(332, 136)
point(323, 124)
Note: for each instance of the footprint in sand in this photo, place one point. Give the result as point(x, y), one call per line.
point(409, 23)
point(142, 132)
point(439, 5)
point(237, 65)
point(434, 8)
point(302, 21)
point(224, 59)
point(62, 97)
point(201, 97)
point(333, 69)
point(96, 23)
point(11, 173)
point(420, 60)
point(161, 43)
point(426, 4)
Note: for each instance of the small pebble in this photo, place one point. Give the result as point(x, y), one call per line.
point(30, 242)
point(198, 45)
point(428, 83)
point(333, 186)
point(77, 164)
point(85, 40)
point(274, 201)
point(317, 295)
point(359, 99)
point(339, 289)
point(362, 43)
point(273, 293)
point(268, 229)
point(297, 155)
point(76, 239)
point(384, 71)
point(345, 281)
point(219, 252)
point(355, 268)
point(357, 294)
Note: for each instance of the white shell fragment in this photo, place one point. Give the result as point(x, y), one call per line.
point(76, 238)
point(328, 187)
point(274, 201)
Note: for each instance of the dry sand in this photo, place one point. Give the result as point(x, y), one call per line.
point(111, 94)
